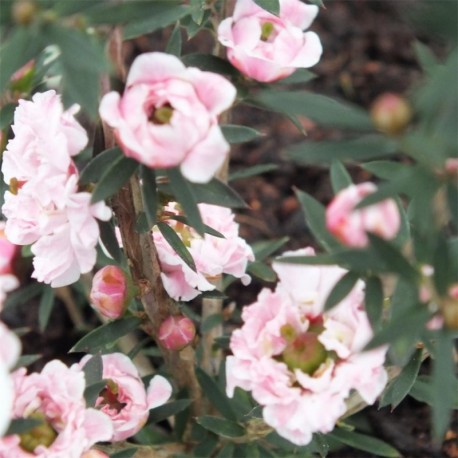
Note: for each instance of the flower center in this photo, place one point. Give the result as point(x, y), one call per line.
point(42, 434)
point(266, 30)
point(109, 397)
point(161, 115)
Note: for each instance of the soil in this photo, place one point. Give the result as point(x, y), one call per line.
point(368, 51)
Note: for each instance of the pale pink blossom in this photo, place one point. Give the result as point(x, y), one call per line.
point(266, 47)
point(54, 396)
point(124, 399)
point(176, 332)
point(351, 225)
point(301, 362)
point(8, 251)
point(167, 116)
point(109, 292)
point(212, 255)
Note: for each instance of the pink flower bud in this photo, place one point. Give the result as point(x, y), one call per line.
point(391, 113)
point(350, 226)
point(176, 332)
point(109, 292)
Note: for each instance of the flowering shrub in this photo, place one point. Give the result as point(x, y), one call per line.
point(119, 191)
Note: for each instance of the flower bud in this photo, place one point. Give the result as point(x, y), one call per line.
point(109, 292)
point(450, 308)
point(391, 113)
point(24, 12)
point(176, 332)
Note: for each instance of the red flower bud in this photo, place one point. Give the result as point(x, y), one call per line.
point(176, 332)
point(391, 113)
point(109, 292)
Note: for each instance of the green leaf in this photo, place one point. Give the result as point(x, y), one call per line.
point(109, 240)
point(22, 425)
point(319, 260)
point(7, 115)
point(197, 11)
point(160, 16)
point(321, 109)
point(272, 6)
point(385, 169)
point(300, 76)
point(126, 453)
point(45, 307)
point(209, 62)
point(399, 388)
point(149, 194)
point(373, 300)
point(262, 271)
point(442, 264)
point(362, 442)
point(208, 230)
point(114, 177)
point(422, 391)
point(340, 178)
point(239, 134)
point(91, 392)
point(252, 171)
point(360, 149)
point(210, 322)
point(93, 370)
point(443, 384)
point(99, 164)
point(425, 57)
point(168, 410)
point(174, 44)
point(186, 197)
point(264, 249)
point(217, 398)
point(220, 426)
point(218, 193)
point(227, 451)
point(23, 295)
point(26, 360)
point(106, 335)
point(341, 290)
point(177, 244)
point(316, 221)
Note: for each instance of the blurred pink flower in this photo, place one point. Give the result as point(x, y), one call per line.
point(167, 116)
point(212, 255)
point(8, 251)
point(350, 226)
point(109, 292)
point(300, 362)
point(124, 399)
point(54, 396)
point(176, 332)
point(266, 47)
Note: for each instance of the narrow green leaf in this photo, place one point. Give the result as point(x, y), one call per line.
point(220, 426)
point(208, 230)
point(149, 194)
point(185, 195)
point(422, 391)
point(218, 193)
point(340, 178)
point(341, 290)
point(206, 446)
point(373, 300)
point(262, 271)
point(227, 451)
point(174, 44)
point(362, 442)
point(361, 149)
point(425, 57)
point(177, 244)
point(93, 370)
point(210, 322)
point(197, 11)
point(300, 76)
point(126, 453)
point(217, 398)
point(158, 19)
point(399, 388)
point(91, 392)
point(98, 166)
point(23, 295)
point(387, 170)
point(319, 260)
point(272, 6)
point(168, 410)
point(22, 425)
point(442, 264)
point(264, 249)
point(316, 221)
point(26, 360)
point(106, 335)
point(114, 178)
point(252, 171)
point(209, 62)
point(7, 115)
point(239, 134)
point(45, 307)
point(109, 240)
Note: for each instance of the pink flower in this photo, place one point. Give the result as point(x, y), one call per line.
point(124, 399)
point(350, 226)
point(299, 362)
point(176, 332)
point(168, 116)
point(109, 292)
point(212, 255)
point(55, 396)
point(266, 47)
point(8, 251)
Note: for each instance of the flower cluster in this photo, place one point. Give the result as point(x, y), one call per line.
point(296, 358)
point(8, 251)
point(266, 47)
point(44, 206)
point(55, 397)
point(167, 116)
point(212, 255)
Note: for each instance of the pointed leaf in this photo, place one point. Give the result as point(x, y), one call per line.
point(341, 290)
point(252, 171)
point(174, 43)
point(23, 295)
point(22, 425)
point(239, 134)
point(373, 300)
point(262, 271)
point(99, 164)
point(221, 426)
point(218, 193)
point(272, 6)
point(92, 392)
point(126, 453)
point(264, 249)
point(45, 307)
point(93, 370)
point(209, 62)
point(340, 178)
point(109, 240)
point(168, 410)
